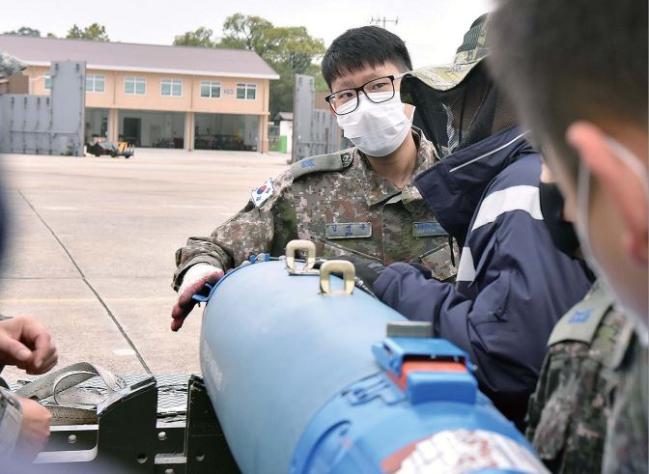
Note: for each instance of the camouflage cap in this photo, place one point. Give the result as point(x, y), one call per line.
point(472, 50)
point(9, 65)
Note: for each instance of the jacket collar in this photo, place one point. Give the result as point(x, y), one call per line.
point(377, 189)
point(454, 187)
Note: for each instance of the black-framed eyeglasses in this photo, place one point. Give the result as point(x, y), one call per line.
point(377, 90)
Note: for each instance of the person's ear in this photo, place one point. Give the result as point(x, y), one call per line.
point(618, 183)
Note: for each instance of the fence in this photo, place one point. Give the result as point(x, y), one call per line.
point(315, 131)
point(47, 125)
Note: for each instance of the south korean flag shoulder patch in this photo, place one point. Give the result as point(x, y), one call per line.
point(260, 195)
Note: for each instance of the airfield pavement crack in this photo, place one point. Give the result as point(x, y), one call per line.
point(88, 284)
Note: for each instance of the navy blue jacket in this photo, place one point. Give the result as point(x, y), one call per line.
point(512, 285)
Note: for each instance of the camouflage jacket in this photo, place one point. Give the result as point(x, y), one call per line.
point(10, 421)
point(339, 202)
point(627, 442)
point(568, 413)
point(10, 416)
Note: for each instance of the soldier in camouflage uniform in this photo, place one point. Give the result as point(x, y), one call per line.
point(578, 73)
point(339, 201)
point(341, 204)
point(568, 413)
point(589, 411)
point(589, 350)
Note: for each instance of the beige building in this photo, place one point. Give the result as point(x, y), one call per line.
point(160, 96)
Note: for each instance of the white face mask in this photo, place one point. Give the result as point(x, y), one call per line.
point(376, 129)
point(583, 209)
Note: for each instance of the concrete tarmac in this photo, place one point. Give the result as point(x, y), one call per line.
point(93, 241)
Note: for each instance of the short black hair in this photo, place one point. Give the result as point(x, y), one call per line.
point(361, 47)
point(561, 61)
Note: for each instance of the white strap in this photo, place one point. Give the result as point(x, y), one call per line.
point(52, 384)
point(82, 406)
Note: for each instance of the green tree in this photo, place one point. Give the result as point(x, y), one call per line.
point(95, 32)
point(24, 31)
point(294, 47)
point(201, 37)
point(281, 91)
point(247, 32)
point(288, 50)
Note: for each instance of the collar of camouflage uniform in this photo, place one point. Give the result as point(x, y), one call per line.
point(378, 189)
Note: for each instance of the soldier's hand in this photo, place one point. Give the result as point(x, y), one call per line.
point(366, 269)
point(185, 303)
point(34, 428)
point(25, 343)
point(428, 274)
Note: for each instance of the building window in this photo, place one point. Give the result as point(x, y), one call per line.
point(95, 83)
point(48, 82)
point(171, 87)
point(247, 91)
point(134, 85)
point(210, 89)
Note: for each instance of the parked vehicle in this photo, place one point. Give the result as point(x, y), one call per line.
point(103, 147)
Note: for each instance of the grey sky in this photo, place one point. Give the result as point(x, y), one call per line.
point(432, 29)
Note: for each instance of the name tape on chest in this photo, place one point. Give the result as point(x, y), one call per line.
point(260, 195)
point(348, 230)
point(428, 229)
